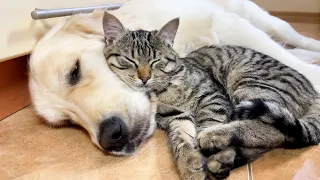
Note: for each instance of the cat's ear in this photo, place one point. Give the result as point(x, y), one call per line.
point(112, 27)
point(169, 31)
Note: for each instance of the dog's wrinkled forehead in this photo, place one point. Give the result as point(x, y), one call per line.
point(57, 50)
point(50, 60)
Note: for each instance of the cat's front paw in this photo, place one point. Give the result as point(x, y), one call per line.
point(214, 139)
point(219, 165)
point(191, 165)
point(251, 109)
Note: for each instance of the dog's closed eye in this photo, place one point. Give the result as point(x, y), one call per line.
point(75, 74)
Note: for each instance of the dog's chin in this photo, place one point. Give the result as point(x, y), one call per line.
point(136, 142)
point(126, 151)
point(130, 148)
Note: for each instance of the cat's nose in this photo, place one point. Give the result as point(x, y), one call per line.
point(144, 79)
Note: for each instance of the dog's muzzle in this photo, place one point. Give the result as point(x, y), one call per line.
point(113, 134)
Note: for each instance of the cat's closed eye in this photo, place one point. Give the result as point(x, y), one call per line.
point(121, 62)
point(131, 61)
point(153, 62)
point(119, 67)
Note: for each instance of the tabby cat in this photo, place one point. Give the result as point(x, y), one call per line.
point(222, 106)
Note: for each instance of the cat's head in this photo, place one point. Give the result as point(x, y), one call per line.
point(145, 60)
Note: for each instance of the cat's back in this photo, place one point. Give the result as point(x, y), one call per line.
point(235, 66)
point(228, 57)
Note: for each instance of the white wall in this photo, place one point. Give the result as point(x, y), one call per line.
point(17, 26)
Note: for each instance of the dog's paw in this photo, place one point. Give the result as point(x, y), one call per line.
point(249, 109)
point(219, 165)
point(214, 139)
point(191, 165)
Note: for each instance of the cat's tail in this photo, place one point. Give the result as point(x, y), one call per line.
point(301, 132)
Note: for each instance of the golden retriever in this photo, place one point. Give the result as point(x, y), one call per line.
point(70, 79)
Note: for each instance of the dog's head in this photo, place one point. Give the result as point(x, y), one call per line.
point(71, 81)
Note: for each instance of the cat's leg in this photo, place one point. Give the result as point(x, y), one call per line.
point(276, 27)
point(220, 164)
point(189, 160)
point(238, 143)
point(237, 31)
point(300, 132)
point(306, 56)
point(182, 138)
point(215, 109)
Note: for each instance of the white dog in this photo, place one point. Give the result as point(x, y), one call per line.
point(70, 80)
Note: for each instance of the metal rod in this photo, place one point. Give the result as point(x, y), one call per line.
point(52, 13)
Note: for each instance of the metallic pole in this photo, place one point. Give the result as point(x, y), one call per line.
point(52, 13)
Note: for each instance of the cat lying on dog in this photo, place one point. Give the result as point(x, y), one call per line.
point(70, 79)
point(215, 98)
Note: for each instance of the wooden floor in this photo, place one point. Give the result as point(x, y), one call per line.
point(307, 29)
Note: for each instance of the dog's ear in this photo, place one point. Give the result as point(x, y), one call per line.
point(85, 25)
point(40, 32)
point(169, 31)
point(112, 27)
point(40, 29)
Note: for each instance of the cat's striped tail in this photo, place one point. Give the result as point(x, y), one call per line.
point(301, 132)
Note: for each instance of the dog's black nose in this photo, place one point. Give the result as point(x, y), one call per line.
point(113, 134)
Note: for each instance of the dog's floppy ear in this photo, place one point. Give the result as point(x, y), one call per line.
point(40, 32)
point(85, 25)
point(169, 31)
point(112, 27)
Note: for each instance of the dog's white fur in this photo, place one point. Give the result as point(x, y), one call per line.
point(98, 95)
point(101, 94)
